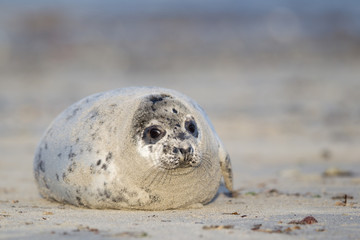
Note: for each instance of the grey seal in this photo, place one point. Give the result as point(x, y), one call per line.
point(133, 148)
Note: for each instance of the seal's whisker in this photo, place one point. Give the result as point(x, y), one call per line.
point(166, 174)
point(162, 177)
point(152, 174)
point(155, 177)
point(150, 171)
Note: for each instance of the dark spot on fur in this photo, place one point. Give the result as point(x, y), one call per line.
point(181, 136)
point(174, 110)
point(73, 113)
point(98, 162)
point(79, 201)
point(46, 146)
point(72, 167)
point(41, 166)
point(57, 176)
point(59, 155)
point(108, 157)
point(117, 199)
point(64, 177)
point(94, 114)
point(154, 198)
point(166, 149)
point(39, 155)
point(71, 155)
point(107, 193)
point(157, 98)
point(45, 183)
point(77, 140)
point(154, 99)
point(104, 166)
point(93, 136)
point(49, 131)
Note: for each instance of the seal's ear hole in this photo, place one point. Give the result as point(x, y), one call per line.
point(191, 127)
point(153, 134)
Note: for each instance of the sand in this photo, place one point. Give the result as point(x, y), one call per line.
point(280, 83)
point(289, 162)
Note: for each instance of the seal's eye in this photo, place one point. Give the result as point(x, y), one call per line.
point(153, 134)
point(190, 126)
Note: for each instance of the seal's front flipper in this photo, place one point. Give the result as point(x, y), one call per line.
point(227, 172)
point(226, 169)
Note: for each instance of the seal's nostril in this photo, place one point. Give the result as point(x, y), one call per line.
point(183, 151)
point(186, 151)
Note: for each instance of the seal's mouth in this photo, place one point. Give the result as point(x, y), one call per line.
point(185, 165)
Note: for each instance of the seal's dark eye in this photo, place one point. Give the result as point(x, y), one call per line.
point(190, 126)
point(153, 134)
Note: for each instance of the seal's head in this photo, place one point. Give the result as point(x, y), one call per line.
point(167, 133)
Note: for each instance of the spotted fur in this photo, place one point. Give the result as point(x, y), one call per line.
point(133, 148)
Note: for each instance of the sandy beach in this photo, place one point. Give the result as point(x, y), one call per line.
point(289, 117)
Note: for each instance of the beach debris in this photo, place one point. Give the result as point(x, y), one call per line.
point(233, 213)
point(86, 228)
point(130, 234)
point(256, 227)
point(218, 227)
point(278, 229)
point(48, 213)
point(344, 199)
point(307, 220)
point(273, 192)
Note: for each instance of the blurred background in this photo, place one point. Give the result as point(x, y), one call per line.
point(279, 79)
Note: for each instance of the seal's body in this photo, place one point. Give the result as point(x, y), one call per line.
point(132, 148)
